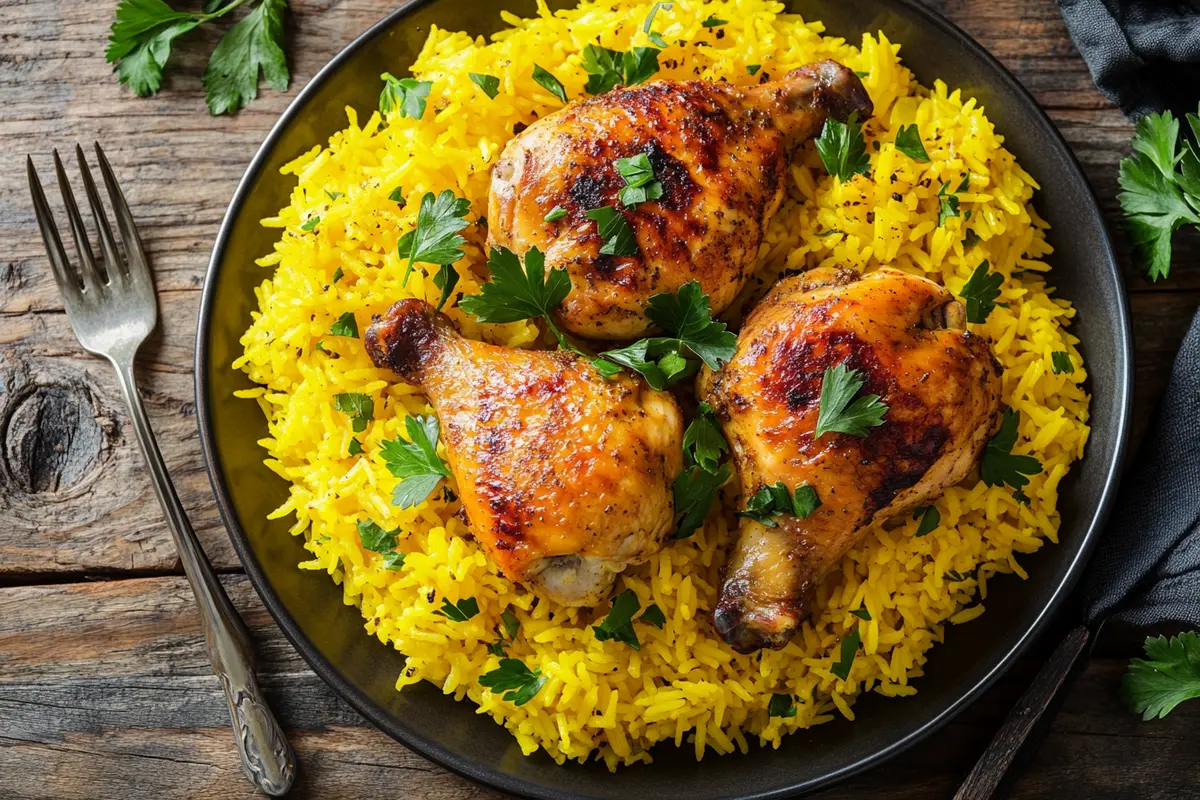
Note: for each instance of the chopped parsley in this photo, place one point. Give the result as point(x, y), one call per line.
point(842, 148)
point(703, 442)
point(461, 611)
point(1000, 466)
point(397, 196)
point(781, 705)
point(949, 200)
point(837, 413)
point(345, 325)
point(356, 447)
point(862, 614)
point(753, 69)
point(1161, 189)
point(1060, 361)
point(648, 24)
point(359, 407)
point(607, 68)
point(514, 294)
point(774, 501)
point(519, 683)
point(445, 279)
point(640, 183)
point(695, 491)
point(408, 96)
point(618, 625)
point(436, 239)
point(375, 538)
point(714, 22)
point(614, 229)
point(908, 141)
point(653, 615)
point(509, 635)
point(930, 518)
point(1171, 675)
point(970, 239)
point(841, 667)
point(338, 274)
point(333, 195)
point(980, 292)
point(550, 83)
point(394, 561)
point(489, 84)
point(311, 224)
point(415, 462)
point(555, 214)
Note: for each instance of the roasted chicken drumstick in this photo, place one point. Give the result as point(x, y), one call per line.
point(565, 477)
point(904, 335)
point(720, 153)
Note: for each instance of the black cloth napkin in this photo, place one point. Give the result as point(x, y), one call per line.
point(1145, 56)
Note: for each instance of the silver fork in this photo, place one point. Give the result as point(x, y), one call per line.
point(112, 311)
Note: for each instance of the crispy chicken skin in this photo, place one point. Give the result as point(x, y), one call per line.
point(942, 388)
point(565, 477)
point(721, 153)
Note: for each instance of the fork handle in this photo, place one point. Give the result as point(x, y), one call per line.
point(267, 758)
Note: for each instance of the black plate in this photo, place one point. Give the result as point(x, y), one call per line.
point(330, 635)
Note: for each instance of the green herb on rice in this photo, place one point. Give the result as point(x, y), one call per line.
point(518, 682)
point(415, 462)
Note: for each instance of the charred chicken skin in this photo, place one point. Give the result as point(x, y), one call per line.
point(565, 477)
point(720, 153)
point(905, 335)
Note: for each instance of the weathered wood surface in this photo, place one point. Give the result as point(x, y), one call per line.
point(104, 688)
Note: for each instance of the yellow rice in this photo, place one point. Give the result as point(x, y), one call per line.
point(603, 699)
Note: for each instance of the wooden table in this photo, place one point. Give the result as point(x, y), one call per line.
point(104, 686)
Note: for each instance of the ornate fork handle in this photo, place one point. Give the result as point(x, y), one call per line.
point(267, 757)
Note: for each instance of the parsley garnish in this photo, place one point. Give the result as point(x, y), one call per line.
point(714, 22)
point(970, 239)
point(397, 196)
point(311, 224)
point(338, 274)
point(618, 625)
point(1060, 362)
point(555, 214)
point(517, 681)
point(908, 141)
point(781, 705)
point(837, 414)
point(550, 83)
point(1002, 468)
point(841, 668)
point(862, 614)
point(842, 148)
point(436, 239)
point(415, 462)
point(345, 325)
point(1161, 183)
point(614, 229)
point(405, 95)
point(514, 294)
point(511, 625)
point(753, 69)
point(394, 561)
point(653, 615)
point(333, 195)
point(775, 501)
point(930, 519)
point(445, 279)
point(639, 65)
point(640, 184)
point(1171, 675)
point(703, 442)
point(360, 407)
point(490, 84)
point(355, 447)
point(607, 68)
point(375, 538)
point(461, 611)
point(980, 291)
point(647, 25)
point(949, 201)
point(695, 491)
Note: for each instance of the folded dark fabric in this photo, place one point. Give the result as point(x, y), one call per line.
point(1143, 54)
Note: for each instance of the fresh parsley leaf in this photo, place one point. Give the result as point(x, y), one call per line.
point(837, 413)
point(490, 84)
point(842, 148)
point(311, 224)
point(781, 705)
point(862, 614)
point(514, 294)
point(653, 615)
point(618, 625)
point(394, 561)
point(461, 611)
point(333, 195)
point(140, 41)
point(776, 500)
point(908, 141)
point(355, 447)
point(647, 25)
point(415, 462)
point(949, 205)
point(345, 325)
point(375, 538)
point(930, 519)
point(338, 274)
point(397, 196)
point(640, 184)
point(861, 73)
point(638, 357)
point(1000, 467)
point(694, 492)
point(519, 683)
point(360, 408)
point(703, 442)
point(970, 239)
point(555, 214)
point(550, 83)
point(639, 64)
point(436, 239)
point(954, 576)
point(496, 648)
point(841, 668)
point(614, 229)
point(603, 67)
point(445, 279)
point(408, 96)
point(1060, 362)
point(686, 315)
point(510, 622)
point(753, 69)
point(980, 291)
point(255, 43)
point(1154, 687)
point(714, 22)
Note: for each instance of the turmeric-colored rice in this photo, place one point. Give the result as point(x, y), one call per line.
point(604, 699)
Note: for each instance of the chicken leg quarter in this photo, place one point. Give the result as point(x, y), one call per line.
point(720, 152)
point(904, 335)
point(565, 477)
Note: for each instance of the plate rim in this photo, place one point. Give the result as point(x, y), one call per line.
point(410, 736)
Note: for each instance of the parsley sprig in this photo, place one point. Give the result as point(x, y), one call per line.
point(1171, 675)
point(640, 182)
point(143, 32)
point(980, 291)
point(518, 682)
point(514, 294)
point(837, 414)
point(948, 201)
point(406, 96)
point(1161, 183)
point(436, 239)
point(842, 148)
point(377, 540)
point(1000, 466)
point(776, 501)
point(614, 229)
point(695, 491)
point(908, 141)
point(415, 462)
point(703, 442)
point(618, 625)
point(608, 68)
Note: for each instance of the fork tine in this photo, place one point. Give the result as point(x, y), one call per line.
point(135, 255)
point(87, 269)
point(64, 276)
point(112, 261)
